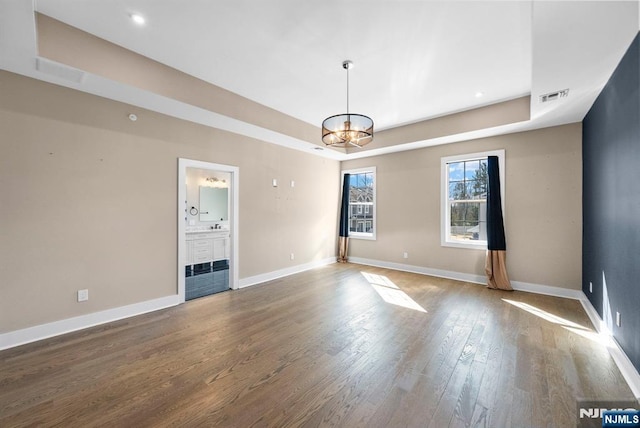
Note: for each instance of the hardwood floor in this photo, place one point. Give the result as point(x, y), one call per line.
point(321, 348)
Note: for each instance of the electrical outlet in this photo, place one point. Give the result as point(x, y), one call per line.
point(83, 295)
point(292, 257)
point(618, 319)
point(590, 287)
point(405, 255)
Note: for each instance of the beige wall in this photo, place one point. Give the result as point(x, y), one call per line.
point(89, 201)
point(543, 213)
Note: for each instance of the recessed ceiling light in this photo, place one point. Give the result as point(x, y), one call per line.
point(479, 94)
point(138, 19)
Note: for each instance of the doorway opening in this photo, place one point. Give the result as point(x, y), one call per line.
point(207, 228)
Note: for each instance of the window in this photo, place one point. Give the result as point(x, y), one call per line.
point(362, 197)
point(464, 199)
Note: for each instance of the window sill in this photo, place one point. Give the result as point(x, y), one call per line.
point(365, 236)
point(468, 246)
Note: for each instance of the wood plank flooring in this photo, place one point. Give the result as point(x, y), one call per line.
point(321, 348)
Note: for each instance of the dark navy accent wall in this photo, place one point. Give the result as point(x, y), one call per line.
point(611, 202)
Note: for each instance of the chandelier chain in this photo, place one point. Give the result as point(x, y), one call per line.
point(347, 90)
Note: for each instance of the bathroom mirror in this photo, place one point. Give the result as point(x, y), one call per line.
point(214, 204)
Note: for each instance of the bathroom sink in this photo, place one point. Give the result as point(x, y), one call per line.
point(205, 230)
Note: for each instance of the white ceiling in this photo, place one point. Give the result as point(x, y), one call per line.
point(413, 59)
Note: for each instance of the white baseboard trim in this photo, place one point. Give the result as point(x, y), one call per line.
point(628, 370)
point(548, 290)
point(593, 315)
point(44, 331)
point(468, 277)
point(264, 277)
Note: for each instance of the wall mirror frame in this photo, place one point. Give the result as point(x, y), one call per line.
point(214, 203)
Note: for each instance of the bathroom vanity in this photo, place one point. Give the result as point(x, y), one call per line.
point(207, 246)
point(207, 262)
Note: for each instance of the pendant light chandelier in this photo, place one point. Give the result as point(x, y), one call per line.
point(347, 129)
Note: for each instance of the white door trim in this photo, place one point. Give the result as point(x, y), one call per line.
point(183, 164)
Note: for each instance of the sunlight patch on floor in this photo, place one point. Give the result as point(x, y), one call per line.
point(379, 280)
point(544, 314)
point(600, 338)
point(391, 293)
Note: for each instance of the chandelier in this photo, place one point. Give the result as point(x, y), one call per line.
point(347, 129)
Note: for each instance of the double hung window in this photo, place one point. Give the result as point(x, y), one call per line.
point(362, 201)
point(464, 199)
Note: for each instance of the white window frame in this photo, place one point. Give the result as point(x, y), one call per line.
point(445, 214)
point(359, 235)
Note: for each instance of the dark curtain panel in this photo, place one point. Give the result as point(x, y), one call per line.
point(343, 237)
point(495, 225)
point(495, 266)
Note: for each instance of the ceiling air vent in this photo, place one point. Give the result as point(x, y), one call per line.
point(552, 96)
point(59, 70)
